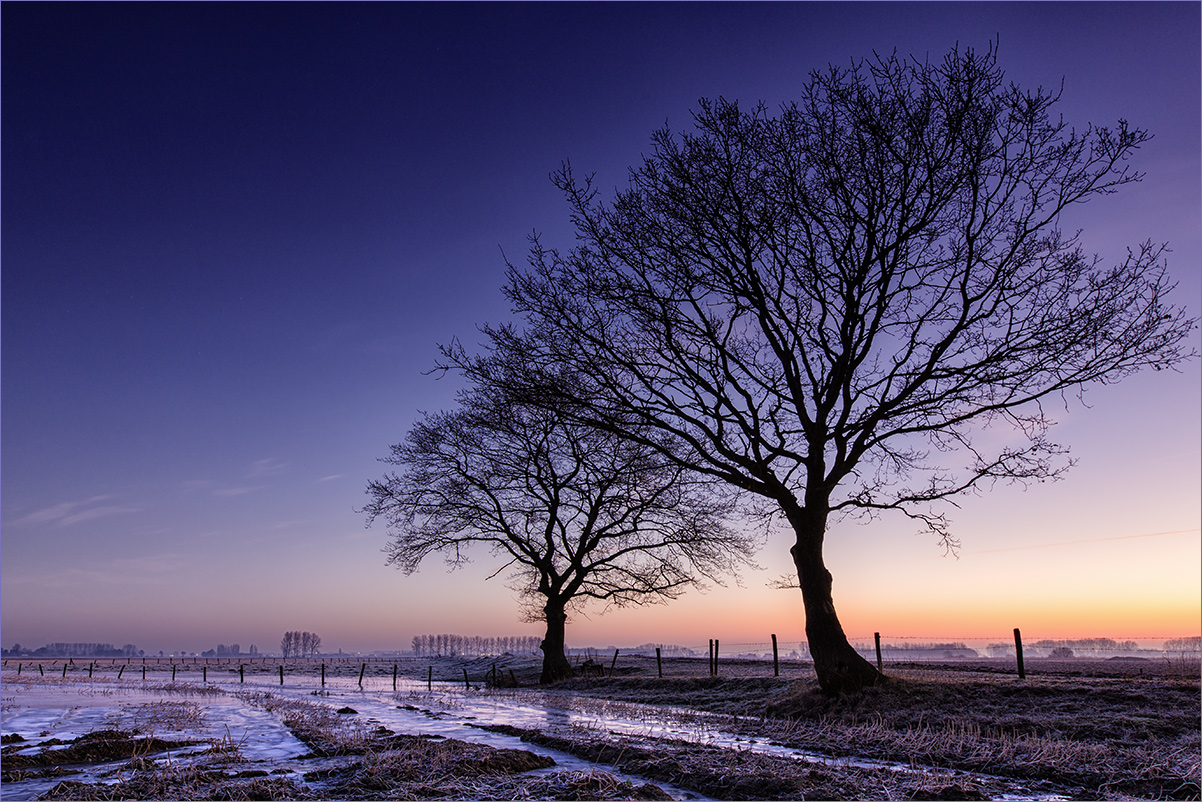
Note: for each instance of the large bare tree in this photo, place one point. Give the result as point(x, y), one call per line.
point(824, 306)
point(578, 513)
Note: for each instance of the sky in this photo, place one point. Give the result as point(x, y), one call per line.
point(234, 235)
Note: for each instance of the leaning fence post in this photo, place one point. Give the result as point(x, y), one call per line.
point(90, 670)
point(614, 663)
point(120, 671)
point(361, 670)
point(775, 659)
point(466, 684)
point(64, 670)
point(1018, 650)
point(40, 671)
point(877, 636)
point(659, 663)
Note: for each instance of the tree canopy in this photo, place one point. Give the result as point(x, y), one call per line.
point(578, 513)
point(826, 306)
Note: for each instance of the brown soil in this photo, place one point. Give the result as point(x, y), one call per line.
point(102, 746)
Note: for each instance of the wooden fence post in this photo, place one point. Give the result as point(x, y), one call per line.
point(775, 659)
point(394, 677)
point(614, 663)
point(1018, 650)
point(120, 671)
point(430, 679)
point(204, 673)
point(466, 684)
point(90, 670)
point(42, 673)
point(659, 663)
point(64, 670)
point(281, 674)
point(241, 676)
point(877, 637)
point(711, 657)
point(323, 674)
point(143, 672)
point(715, 657)
point(173, 672)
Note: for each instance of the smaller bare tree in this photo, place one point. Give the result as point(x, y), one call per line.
point(579, 513)
point(300, 644)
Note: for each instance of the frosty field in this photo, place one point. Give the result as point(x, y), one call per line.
point(1093, 729)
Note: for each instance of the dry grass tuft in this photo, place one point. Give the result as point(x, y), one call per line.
point(162, 716)
point(180, 784)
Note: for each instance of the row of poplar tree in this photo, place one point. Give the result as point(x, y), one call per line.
point(474, 645)
point(300, 644)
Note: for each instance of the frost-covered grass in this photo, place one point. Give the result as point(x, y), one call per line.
point(1079, 727)
point(1073, 729)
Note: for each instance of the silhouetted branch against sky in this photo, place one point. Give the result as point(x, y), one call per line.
point(578, 512)
point(862, 279)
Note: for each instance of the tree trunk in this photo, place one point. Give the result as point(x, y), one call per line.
point(839, 667)
point(555, 662)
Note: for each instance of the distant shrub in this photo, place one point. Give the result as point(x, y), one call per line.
point(1062, 652)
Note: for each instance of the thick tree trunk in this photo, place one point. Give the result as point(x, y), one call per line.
point(839, 667)
point(555, 662)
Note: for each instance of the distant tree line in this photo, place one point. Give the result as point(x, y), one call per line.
point(75, 650)
point(233, 650)
point(1088, 645)
point(665, 650)
point(300, 644)
point(474, 645)
point(924, 647)
point(1193, 644)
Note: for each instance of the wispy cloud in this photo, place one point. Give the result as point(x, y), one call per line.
point(93, 513)
point(265, 467)
point(232, 490)
point(220, 489)
point(68, 513)
point(122, 572)
point(329, 478)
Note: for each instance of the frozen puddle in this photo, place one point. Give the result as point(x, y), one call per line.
point(206, 719)
point(217, 715)
point(65, 712)
point(450, 711)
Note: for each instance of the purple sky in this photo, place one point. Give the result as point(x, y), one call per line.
point(233, 235)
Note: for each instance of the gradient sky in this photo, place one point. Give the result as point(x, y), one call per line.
point(233, 236)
